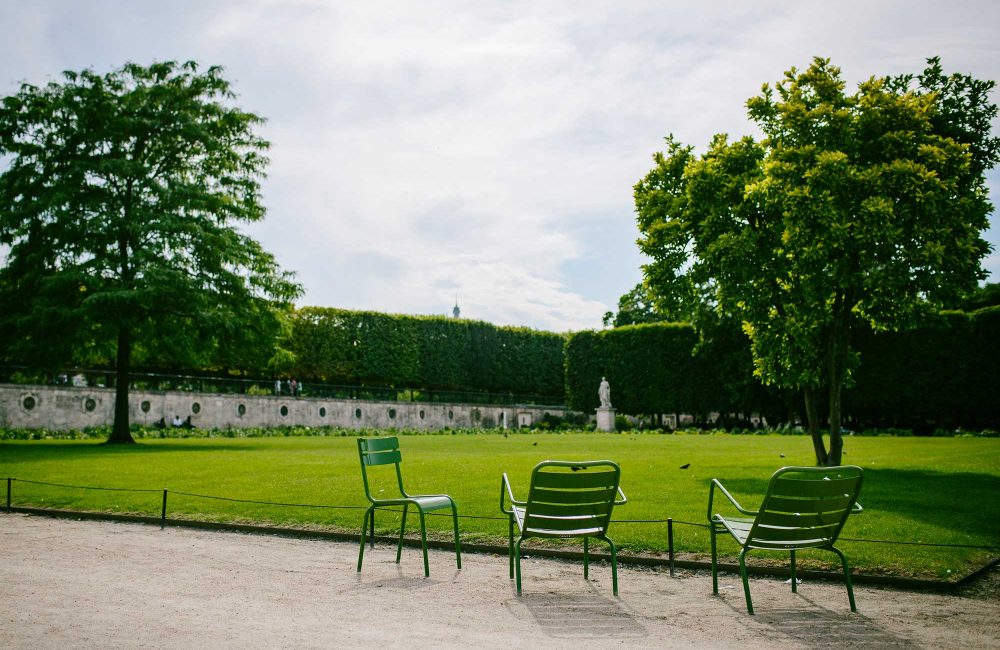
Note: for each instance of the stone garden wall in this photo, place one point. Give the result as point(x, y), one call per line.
point(69, 407)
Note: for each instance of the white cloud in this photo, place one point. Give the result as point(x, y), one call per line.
point(485, 149)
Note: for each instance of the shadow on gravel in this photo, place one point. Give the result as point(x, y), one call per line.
point(822, 628)
point(585, 615)
point(408, 580)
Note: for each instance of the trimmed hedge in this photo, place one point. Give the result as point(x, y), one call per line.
point(660, 368)
point(943, 374)
point(430, 352)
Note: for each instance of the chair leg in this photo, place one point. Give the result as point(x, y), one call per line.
point(364, 529)
point(746, 582)
point(614, 565)
point(794, 583)
point(423, 542)
point(458, 544)
point(371, 529)
point(510, 545)
point(586, 558)
point(715, 569)
point(402, 527)
point(847, 577)
point(517, 562)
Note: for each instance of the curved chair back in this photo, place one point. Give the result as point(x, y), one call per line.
point(805, 507)
point(569, 499)
point(379, 451)
point(374, 452)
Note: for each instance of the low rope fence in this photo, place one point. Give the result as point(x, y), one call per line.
point(669, 521)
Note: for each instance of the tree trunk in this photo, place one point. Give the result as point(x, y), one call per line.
point(120, 433)
point(837, 369)
point(812, 418)
point(836, 440)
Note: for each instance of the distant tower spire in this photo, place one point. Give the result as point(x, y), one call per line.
point(456, 312)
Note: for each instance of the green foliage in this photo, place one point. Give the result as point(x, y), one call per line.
point(118, 202)
point(435, 353)
point(660, 368)
point(942, 374)
point(905, 478)
point(635, 307)
point(646, 365)
point(855, 210)
point(987, 295)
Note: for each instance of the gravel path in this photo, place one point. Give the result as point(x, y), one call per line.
point(91, 584)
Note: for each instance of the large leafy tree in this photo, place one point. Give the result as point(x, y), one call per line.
point(635, 307)
point(854, 210)
point(120, 196)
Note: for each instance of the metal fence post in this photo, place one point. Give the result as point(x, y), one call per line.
point(670, 543)
point(163, 511)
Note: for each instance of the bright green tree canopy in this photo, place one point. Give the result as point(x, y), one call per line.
point(853, 208)
point(120, 196)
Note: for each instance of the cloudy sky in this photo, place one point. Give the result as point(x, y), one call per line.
point(423, 151)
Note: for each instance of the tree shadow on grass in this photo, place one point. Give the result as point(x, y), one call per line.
point(957, 501)
point(964, 501)
point(71, 449)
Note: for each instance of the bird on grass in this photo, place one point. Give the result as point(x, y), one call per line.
point(685, 465)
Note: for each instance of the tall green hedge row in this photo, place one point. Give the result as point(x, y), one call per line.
point(359, 347)
point(944, 374)
point(662, 368)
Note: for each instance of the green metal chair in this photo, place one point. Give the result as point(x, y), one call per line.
point(385, 451)
point(565, 500)
point(804, 507)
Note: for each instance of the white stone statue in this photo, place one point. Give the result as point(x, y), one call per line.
point(604, 392)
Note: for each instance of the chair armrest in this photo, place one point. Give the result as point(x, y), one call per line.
point(506, 491)
point(732, 500)
point(622, 495)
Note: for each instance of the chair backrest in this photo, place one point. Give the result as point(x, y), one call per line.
point(379, 451)
point(571, 499)
point(805, 507)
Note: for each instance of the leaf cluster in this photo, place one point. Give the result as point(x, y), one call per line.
point(119, 204)
point(377, 349)
point(853, 210)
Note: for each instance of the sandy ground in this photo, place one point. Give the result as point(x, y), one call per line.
point(89, 584)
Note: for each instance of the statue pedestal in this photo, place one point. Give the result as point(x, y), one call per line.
point(605, 419)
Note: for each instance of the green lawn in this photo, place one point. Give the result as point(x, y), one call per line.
point(931, 490)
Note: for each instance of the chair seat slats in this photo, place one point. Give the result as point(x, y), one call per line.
point(799, 535)
point(582, 496)
point(381, 457)
point(380, 444)
point(563, 523)
point(569, 510)
point(575, 480)
point(801, 519)
point(814, 505)
point(572, 532)
point(385, 451)
point(565, 500)
point(803, 508)
point(813, 487)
